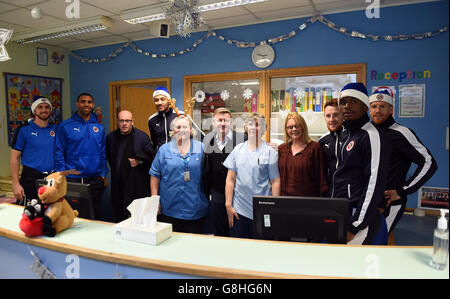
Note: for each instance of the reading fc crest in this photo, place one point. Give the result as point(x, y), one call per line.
point(350, 145)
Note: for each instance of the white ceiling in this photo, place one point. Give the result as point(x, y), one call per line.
point(16, 14)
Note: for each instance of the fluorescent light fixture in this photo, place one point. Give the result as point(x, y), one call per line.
point(157, 12)
point(67, 29)
point(5, 35)
point(144, 14)
point(224, 4)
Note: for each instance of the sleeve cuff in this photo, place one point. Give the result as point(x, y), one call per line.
point(353, 229)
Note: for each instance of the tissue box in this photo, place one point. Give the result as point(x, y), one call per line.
point(126, 231)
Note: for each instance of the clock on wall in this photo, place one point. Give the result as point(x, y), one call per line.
point(263, 56)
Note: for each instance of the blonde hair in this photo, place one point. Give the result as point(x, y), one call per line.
point(300, 123)
point(180, 117)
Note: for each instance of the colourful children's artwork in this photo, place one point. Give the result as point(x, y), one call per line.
point(20, 91)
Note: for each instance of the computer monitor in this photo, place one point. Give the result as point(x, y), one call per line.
point(302, 219)
point(78, 196)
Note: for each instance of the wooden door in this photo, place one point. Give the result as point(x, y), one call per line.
point(138, 101)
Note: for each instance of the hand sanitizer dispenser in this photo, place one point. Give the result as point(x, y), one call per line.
point(440, 244)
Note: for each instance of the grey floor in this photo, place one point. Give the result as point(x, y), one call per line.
point(415, 230)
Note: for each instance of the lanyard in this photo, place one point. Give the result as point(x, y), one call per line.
point(186, 174)
point(186, 161)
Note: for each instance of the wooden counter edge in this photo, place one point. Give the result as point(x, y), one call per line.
point(177, 267)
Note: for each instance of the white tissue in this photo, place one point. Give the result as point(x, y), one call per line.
point(142, 226)
point(143, 211)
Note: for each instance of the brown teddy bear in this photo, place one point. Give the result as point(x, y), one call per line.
point(59, 215)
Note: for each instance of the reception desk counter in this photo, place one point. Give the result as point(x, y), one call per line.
point(89, 250)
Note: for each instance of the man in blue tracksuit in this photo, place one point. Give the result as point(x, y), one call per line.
point(362, 168)
point(406, 149)
point(33, 145)
point(80, 145)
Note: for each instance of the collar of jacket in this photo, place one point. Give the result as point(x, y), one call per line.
point(120, 135)
point(389, 122)
point(169, 111)
point(356, 124)
point(338, 131)
point(35, 126)
point(92, 118)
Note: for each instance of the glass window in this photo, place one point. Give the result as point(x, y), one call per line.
point(304, 94)
point(239, 96)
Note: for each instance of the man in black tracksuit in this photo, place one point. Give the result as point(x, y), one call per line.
point(159, 122)
point(333, 119)
point(362, 167)
point(406, 149)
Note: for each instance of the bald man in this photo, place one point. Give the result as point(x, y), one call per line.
point(130, 154)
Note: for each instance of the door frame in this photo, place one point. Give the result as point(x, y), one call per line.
point(113, 92)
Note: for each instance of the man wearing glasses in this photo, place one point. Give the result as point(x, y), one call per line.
point(130, 154)
point(362, 166)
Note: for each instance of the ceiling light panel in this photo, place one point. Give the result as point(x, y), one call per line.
point(64, 30)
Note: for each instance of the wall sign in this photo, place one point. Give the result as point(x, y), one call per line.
point(42, 56)
point(411, 100)
point(20, 90)
point(400, 75)
point(433, 198)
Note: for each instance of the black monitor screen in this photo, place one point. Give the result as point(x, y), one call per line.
point(304, 219)
point(79, 197)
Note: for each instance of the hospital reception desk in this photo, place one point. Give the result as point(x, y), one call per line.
point(89, 250)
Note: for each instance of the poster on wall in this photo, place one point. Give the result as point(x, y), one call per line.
point(433, 198)
point(412, 100)
point(20, 90)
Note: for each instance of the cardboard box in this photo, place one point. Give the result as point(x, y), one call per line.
point(126, 231)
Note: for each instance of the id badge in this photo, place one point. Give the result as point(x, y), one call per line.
point(187, 176)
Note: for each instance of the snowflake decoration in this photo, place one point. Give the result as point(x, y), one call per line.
point(5, 35)
point(299, 92)
point(248, 93)
point(225, 95)
point(184, 15)
point(200, 96)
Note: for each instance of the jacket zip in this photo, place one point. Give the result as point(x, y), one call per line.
point(337, 161)
point(337, 158)
point(165, 125)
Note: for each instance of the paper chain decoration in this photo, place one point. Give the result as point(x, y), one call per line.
point(274, 40)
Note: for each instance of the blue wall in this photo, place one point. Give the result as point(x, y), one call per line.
point(316, 45)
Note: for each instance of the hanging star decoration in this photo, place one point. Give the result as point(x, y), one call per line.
point(184, 15)
point(5, 35)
